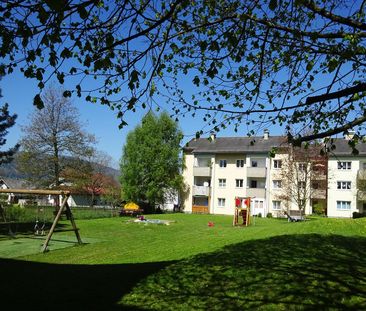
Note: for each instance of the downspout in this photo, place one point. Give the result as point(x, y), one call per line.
point(213, 184)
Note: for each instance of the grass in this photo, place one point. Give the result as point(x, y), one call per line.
point(274, 265)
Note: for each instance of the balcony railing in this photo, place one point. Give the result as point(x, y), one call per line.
point(361, 174)
point(361, 195)
point(201, 191)
point(200, 209)
point(318, 194)
point(256, 172)
point(202, 171)
point(256, 192)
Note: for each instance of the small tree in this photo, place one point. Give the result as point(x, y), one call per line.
point(150, 164)
point(90, 176)
point(52, 140)
point(6, 121)
point(303, 175)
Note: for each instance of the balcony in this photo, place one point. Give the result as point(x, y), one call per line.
point(200, 209)
point(256, 192)
point(318, 176)
point(201, 191)
point(361, 174)
point(361, 195)
point(256, 172)
point(318, 194)
point(204, 171)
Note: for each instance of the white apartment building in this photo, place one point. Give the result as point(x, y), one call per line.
point(220, 169)
point(344, 171)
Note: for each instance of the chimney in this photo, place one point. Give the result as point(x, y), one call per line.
point(212, 136)
point(349, 135)
point(265, 134)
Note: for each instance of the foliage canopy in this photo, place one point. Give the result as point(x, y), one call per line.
point(298, 63)
point(53, 140)
point(150, 164)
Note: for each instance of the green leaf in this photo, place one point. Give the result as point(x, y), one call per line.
point(333, 64)
point(38, 102)
point(272, 5)
point(83, 13)
point(66, 93)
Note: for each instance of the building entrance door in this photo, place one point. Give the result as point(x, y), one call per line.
point(257, 207)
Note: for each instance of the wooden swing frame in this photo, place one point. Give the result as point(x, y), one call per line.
point(64, 207)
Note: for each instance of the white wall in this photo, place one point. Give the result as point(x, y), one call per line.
point(230, 173)
point(334, 194)
point(188, 179)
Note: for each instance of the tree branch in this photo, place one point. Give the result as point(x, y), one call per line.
point(146, 30)
point(335, 18)
point(361, 87)
point(329, 133)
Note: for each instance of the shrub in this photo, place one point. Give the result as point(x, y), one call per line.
point(269, 215)
point(358, 215)
point(318, 209)
point(14, 213)
point(259, 215)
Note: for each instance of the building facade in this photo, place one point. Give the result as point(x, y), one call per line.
point(217, 170)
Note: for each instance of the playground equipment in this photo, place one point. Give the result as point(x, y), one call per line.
point(242, 209)
point(39, 228)
point(64, 208)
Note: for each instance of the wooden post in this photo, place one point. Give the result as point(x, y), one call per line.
point(76, 230)
point(64, 206)
point(55, 221)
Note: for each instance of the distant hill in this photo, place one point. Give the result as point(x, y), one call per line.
point(10, 170)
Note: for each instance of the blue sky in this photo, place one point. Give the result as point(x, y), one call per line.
point(98, 120)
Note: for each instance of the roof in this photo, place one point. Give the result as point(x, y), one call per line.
point(257, 144)
point(14, 183)
point(235, 144)
point(342, 148)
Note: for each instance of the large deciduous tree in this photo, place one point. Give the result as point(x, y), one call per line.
point(53, 140)
point(292, 62)
point(150, 164)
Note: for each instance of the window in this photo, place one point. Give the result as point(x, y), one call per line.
point(315, 185)
point(276, 205)
point(253, 184)
point(302, 167)
point(277, 184)
point(277, 163)
point(254, 163)
point(344, 205)
point(302, 184)
point(344, 165)
point(239, 163)
point(221, 202)
point(222, 182)
point(344, 185)
point(239, 183)
point(223, 163)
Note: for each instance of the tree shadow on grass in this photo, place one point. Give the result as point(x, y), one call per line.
point(290, 272)
point(37, 286)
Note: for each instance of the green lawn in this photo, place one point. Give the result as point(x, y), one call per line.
point(272, 265)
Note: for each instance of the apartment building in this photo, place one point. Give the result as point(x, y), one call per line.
point(345, 173)
point(220, 169)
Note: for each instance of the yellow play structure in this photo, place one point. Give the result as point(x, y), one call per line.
point(242, 209)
